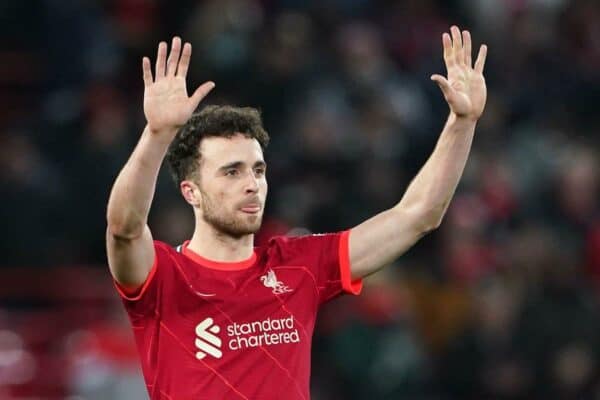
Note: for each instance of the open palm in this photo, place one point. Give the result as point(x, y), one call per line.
point(166, 102)
point(464, 89)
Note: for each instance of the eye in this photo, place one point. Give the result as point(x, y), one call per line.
point(232, 172)
point(259, 171)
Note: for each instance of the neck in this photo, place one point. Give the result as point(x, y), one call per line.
point(218, 246)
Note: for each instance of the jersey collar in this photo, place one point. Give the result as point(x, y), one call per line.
point(220, 265)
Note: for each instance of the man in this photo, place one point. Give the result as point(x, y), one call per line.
point(216, 318)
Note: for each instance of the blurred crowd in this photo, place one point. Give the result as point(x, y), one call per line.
point(501, 302)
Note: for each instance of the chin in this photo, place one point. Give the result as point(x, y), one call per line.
point(248, 226)
point(237, 227)
point(255, 227)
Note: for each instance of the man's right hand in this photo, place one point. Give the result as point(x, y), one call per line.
point(166, 103)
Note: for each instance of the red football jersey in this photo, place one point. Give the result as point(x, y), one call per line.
point(209, 330)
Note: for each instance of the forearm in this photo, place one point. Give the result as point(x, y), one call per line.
point(133, 191)
point(432, 189)
point(383, 238)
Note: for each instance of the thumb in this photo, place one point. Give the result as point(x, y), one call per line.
point(201, 92)
point(443, 84)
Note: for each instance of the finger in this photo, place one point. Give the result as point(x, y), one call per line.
point(201, 92)
point(480, 62)
point(147, 71)
point(174, 56)
point(466, 39)
point(184, 63)
point(443, 84)
point(161, 59)
point(457, 45)
point(448, 55)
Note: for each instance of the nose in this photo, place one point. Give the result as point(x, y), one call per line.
point(251, 183)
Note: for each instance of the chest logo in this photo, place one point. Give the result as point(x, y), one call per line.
point(207, 341)
point(270, 280)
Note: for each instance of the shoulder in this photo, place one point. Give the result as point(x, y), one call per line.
point(305, 239)
point(166, 253)
point(165, 247)
point(302, 246)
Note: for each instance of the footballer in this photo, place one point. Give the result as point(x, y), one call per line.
point(217, 317)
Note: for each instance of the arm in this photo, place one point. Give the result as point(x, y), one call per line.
point(383, 238)
point(167, 107)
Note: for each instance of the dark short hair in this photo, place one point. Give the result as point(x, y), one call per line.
point(184, 155)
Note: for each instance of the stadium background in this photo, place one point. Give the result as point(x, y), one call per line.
point(500, 303)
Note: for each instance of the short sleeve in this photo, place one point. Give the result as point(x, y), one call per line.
point(327, 257)
point(144, 300)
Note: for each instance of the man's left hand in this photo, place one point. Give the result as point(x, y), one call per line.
point(464, 89)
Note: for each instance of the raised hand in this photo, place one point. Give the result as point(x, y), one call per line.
point(464, 89)
point(166, 103)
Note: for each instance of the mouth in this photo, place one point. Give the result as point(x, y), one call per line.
point(251, 209)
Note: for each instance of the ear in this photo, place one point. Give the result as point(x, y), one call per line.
point(190, 192)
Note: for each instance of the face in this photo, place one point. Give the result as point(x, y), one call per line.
point(231, 190)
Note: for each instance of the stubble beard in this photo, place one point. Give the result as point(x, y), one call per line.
point(228, 223)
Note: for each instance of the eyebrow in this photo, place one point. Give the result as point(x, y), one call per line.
point(238, 164)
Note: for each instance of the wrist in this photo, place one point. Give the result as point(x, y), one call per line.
point(462, 119)
point(460, 125)
point(161, 131)
point(165, 135)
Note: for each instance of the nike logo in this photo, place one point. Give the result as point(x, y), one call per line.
point(204, 294)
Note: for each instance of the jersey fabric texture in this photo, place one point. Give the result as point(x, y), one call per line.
point(209, 330)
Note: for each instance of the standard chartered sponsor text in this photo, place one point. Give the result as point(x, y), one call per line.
point(262, 333)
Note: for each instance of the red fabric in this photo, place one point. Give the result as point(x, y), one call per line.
point(208, 333)
point(225, 266)
point(345, 270)
point(133, 293)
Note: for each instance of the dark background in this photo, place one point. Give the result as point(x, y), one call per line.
point(500, 303)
